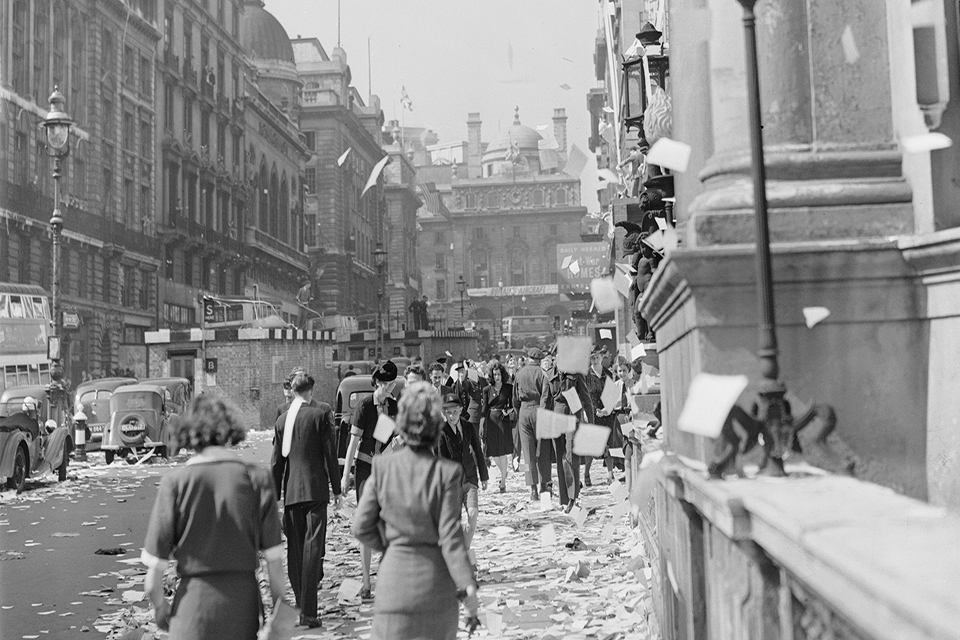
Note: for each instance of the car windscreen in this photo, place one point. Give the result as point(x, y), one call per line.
point(357, 396)
point(133, 401)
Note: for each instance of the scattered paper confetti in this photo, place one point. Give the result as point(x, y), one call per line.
point(606, 298)
point(850, 50)
point(343, 157)
point(669, 154)
point(925, 142)
point(708, 403)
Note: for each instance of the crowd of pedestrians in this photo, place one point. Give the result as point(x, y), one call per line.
point(448, 425)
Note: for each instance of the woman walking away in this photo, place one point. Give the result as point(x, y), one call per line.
point(497, 418)
point(213, 516)
point(410, 509)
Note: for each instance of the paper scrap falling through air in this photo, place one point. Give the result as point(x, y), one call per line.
point(377, 169)
point(606, 298)
point(709, 401)
point(925, 142)
point(815, 315)
point(669, 154)
point(343, 158)
point(590, 440)
point(565, 87)
point(608, 109)
point(850, 50)
point(573, 354)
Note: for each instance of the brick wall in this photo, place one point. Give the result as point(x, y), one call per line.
point(250, 372)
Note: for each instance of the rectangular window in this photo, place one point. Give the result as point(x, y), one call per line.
point(109, 54)
point(205, 129)
point(79, 183)
point(439, 238)
point(311, 139)
point(129, 132)
point(237, 149)
point(129, 63)
point(21, 157)
point(146, 78)
point(441, 289)
point(310, 181)
point(168, 93)
point(441, 261)
point(222, 139)
point(516, 232)
point(553, 230)
point(146, 139)
point(188, 120)
point(109, 122)
point(145, 204)
point(21, 21)
point(108, 192)
point(129, 201)
point(236, 21)
point(478, 233)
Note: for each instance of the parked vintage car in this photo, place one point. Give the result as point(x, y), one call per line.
point(139, 419)
point(93, 398)
point(177, 393)
point(352, 390)
point(32, 443)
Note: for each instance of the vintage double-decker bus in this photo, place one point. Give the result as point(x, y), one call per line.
point(24, 326)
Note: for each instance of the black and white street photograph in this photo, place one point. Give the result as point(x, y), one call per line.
point(437, 320)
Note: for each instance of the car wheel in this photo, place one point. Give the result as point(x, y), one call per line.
point(109, 454)
point(19, 476)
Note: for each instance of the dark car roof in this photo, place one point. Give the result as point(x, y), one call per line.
point(35, 390)
point(134, 388)
point(362, 382)
point(104, 383)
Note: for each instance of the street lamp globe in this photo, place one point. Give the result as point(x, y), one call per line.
point(380, 255)
point(58, 125)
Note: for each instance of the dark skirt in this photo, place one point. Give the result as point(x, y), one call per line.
point(499, 437)
point(219, 605)
point(416, 597)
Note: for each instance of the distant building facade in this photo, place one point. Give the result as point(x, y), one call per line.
point(503, 213)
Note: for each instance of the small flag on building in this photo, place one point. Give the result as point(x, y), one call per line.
point(431, 197)
point(343, 158)
point(405, 99)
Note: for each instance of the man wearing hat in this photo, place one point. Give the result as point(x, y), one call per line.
point(528, 388)
point(460, 442)
point(364, 446)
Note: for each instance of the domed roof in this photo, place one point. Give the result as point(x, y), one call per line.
point(523, 137)
point(263, 35)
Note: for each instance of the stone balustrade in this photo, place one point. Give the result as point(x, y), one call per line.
point(807, 557)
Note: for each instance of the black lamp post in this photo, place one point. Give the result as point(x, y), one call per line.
point(57, 125)
point(380, 256)
point(462, 288)
point(500, 299)
point(771, 415)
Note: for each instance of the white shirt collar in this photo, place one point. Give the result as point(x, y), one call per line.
point(212, 454)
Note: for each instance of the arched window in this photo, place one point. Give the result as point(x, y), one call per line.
point(493, 200)
point(471, 201)
point(21, 23)
point(41, 85)
point(78, 67)
point(283, 231)
point(561, 196)
point(274, 202)
point(538, 197)
point(263, 191)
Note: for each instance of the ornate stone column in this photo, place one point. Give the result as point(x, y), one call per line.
point(833, 165)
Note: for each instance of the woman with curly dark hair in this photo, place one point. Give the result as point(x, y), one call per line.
point(213, 516)
point(410, 510)
point(497, 420)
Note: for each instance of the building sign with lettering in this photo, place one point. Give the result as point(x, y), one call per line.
point(580, 262)
point(527, 290)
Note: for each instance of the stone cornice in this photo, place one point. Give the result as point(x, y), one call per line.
point(936, 255)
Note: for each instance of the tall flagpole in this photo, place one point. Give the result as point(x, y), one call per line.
point(369, 74)
point(338, 24)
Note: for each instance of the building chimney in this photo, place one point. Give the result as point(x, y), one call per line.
point(473, 145)
point(560, 129)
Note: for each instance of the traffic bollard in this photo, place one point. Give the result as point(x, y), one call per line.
point(80, 435)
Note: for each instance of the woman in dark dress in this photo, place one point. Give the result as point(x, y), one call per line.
point(410, 510)
point(497, 419)
point(214, 516)
point(597, 377)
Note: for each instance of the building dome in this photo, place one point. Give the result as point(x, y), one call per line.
point(264, 38)
point(524, 138)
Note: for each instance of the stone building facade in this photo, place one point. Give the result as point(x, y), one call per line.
point(502, 216)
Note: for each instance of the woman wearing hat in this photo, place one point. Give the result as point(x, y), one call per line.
point(597, 378)
point(364, 446)
point(410, 510)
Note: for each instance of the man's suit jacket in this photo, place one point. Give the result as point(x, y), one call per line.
point(312, 465)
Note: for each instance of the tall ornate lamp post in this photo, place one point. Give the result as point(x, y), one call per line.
point(57, 125)
point(500, 299)
point(380, 256)
point(462, 288)
point(771, 415)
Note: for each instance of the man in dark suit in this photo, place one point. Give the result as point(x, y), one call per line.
point(439, 378)
point(304, 462)
point(460, 442)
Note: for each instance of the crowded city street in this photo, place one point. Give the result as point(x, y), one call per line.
point(70, 560)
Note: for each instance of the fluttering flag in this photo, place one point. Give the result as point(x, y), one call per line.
point(405, 100)
point(377, 170)
point(431, 197)
point(576, 161)
point(343, 158)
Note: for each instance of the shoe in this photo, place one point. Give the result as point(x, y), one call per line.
point(366, 595)
point(516, 464)
point(569, 507)
point(534, 496)
point(503, 488)
point(308, 622)
point(587, 481)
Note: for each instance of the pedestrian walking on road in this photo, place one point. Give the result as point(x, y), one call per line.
point(568, 463)
point(304, 464)
point(213, 516)
point(526, 400)
point(460, 442)
point(498, 418)
point(597, 379)
point(410, 510)
point(364, 446)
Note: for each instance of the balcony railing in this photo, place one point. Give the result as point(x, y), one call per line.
point(257, 238)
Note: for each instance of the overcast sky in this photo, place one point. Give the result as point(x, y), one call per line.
point(455, 57)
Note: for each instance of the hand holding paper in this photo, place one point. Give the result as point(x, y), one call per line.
point(384, 429)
